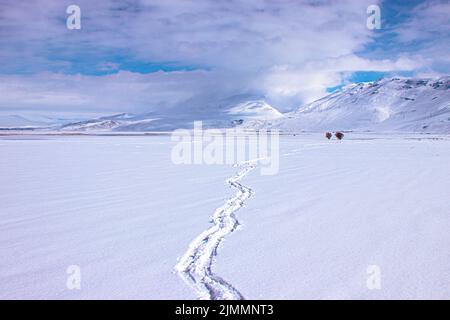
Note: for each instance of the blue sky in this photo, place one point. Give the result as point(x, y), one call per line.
point(144, 55)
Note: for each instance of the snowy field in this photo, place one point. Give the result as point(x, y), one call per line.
point(122, 211)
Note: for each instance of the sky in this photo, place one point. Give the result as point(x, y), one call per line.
point(139, 56)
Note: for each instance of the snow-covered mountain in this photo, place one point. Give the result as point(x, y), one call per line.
point(387, 105)
point(233, 111)
point(36, 121)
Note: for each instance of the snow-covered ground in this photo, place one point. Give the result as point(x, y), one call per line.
point(119, 208)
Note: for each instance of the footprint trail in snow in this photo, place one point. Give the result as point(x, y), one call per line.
point(195, 266)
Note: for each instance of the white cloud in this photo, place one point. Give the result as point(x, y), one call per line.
point(288, 50)
point(129, 91)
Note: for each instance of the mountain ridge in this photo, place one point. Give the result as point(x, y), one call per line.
point(386, 105)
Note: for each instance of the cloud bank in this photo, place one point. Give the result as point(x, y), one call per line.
point(143, 55)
